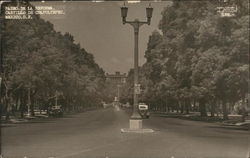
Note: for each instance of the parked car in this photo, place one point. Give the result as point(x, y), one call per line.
point(144, 110)
point(56, 111)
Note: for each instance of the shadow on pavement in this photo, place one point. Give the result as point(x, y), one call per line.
point(244, 128)
point(4, 126)
point(38, 121)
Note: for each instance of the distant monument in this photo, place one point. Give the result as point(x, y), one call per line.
point(116, 78)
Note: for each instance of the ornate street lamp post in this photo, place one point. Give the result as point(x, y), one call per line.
point(136, 25)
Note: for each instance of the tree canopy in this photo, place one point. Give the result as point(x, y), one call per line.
point(198, 57)
point(49, 64)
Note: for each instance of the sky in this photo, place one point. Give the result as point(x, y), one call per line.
point(99, 30)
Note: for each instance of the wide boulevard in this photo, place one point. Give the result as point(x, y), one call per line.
point(97, 134)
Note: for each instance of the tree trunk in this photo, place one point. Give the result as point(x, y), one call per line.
point(56, 98)
point(7, 101)
point(40, 109)
point(182, 107)
point(177, 107)
point(12, 106)
point(194, 105)
point(21, 108)
point(243, 118)
point(18, 103)
point(225, 110)
point(187, 106)
point(32, 107)
point(213, 108)
point(29, 102)
point(166, 106)
point(202, 107)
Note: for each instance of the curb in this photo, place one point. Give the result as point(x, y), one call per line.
point(143, 130)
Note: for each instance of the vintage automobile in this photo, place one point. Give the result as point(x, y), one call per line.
point(56, 111)
point(144, 110)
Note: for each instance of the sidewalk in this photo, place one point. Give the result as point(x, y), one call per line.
point(236, 123)
point(234, 120)
point(14, 120)
point(38, 117)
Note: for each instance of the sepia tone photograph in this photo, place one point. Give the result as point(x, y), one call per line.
point(124, 79)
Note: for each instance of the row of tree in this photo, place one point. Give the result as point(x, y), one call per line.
point(42, 68)
point(199, 61)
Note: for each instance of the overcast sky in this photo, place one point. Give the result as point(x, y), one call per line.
point(98, 28)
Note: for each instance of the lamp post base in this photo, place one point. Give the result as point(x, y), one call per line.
point(135, 124)
point(136, 116)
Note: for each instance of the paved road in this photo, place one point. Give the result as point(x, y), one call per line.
point(96, 134)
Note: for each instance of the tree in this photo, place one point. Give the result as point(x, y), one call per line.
point(200, 56)
point(42, 66)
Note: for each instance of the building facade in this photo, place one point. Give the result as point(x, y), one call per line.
point(116, 78)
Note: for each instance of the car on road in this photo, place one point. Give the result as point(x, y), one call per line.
point(56, 111)
point(144, 110)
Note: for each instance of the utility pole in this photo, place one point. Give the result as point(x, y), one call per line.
point(118, 92)
point(29, 102)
